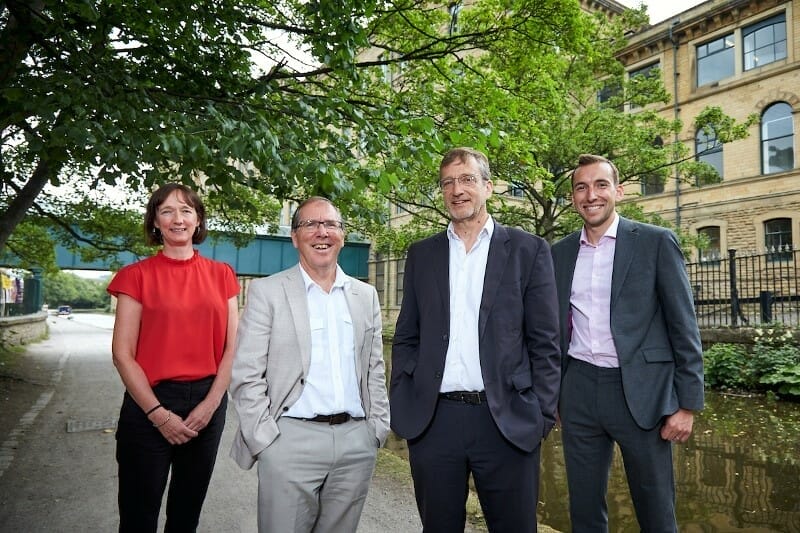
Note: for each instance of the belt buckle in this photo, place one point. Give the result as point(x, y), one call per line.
point(339, 418)
point(472, 398)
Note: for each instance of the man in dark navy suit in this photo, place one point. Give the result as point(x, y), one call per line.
point(475, 359)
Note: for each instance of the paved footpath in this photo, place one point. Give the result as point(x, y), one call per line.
point(58, 405)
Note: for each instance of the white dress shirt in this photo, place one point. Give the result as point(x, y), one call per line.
point(462, 366)
point(331, 386)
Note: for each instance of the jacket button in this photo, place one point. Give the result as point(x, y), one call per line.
point(285, 409)
point(445, 337)
point(438, 375)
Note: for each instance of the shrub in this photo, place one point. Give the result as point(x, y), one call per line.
point(725, 365)
point(786, 379)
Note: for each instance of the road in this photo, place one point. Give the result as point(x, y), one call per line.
point(58, 406)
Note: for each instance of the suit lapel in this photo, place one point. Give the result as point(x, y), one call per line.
point(295, 290)
point(495, 266)
point(624, 251)
point(358, 316)
point(440, 256)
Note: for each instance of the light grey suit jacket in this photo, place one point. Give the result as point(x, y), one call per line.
point(653, 320)
point(273, 354)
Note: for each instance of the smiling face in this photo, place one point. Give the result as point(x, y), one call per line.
point(177, 220)
point(595, 195)
point(318, 246)
point(465, 201)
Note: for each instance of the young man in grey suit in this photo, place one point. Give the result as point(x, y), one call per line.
point(632, 358)
point(475, 359)
point(308, 384)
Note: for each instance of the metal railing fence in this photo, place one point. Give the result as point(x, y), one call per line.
point(747, 289)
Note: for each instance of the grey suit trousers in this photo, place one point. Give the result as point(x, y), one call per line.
point(314, 476)
point(594, 416)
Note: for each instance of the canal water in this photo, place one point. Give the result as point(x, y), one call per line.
point(740, 471)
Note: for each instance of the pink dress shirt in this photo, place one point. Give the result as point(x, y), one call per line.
point(590, 301)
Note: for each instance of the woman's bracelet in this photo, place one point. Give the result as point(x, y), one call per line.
point(151, 411)
point(169, 415)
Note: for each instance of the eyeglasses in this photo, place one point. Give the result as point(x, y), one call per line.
point(310, 226)
point(465, 180)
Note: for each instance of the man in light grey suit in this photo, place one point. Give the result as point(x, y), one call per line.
point(632, 358)
point(308, 384)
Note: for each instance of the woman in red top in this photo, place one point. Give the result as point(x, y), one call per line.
point(174, 332)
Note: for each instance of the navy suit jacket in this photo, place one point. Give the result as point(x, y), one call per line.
point(653, 320)
point(518, 336)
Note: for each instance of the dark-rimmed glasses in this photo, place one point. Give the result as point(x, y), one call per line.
point(312, 225)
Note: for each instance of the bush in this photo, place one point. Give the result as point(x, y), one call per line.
point(773, 363)
point(725, 365)
point(786, 379)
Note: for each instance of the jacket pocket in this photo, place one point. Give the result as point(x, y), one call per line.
point(658, 355)
point(521, 381)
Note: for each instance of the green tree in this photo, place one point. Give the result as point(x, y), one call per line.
point(530, 99)
point(63, 288)
point(105, 96)
point(126, 95)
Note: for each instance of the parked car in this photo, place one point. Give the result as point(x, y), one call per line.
point(64, 310)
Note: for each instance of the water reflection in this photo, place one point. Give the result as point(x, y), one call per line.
point(740, 471)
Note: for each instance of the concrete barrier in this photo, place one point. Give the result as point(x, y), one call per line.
point(18, 330)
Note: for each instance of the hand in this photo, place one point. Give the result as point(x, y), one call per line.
point(173, 428)
point(201, 415)
point(678, 426)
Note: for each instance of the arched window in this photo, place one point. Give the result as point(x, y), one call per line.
point(777, 139)
point(708, 149)
point(712, 253)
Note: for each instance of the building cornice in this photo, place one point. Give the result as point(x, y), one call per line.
point(693, 23)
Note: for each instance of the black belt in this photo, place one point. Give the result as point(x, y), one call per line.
point(470, 397)
point(338, 418)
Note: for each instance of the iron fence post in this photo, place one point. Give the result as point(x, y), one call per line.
point(734, 291)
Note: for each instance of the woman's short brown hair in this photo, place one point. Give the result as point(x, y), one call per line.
point(153, 234)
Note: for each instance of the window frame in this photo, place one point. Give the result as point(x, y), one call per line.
point(754, 30)
point(710, 256)
point(780, 254)
point(768, 142)
point(724, 49)
point(704, 155)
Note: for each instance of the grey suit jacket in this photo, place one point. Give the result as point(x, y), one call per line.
point(273, 354)
point(653, 320)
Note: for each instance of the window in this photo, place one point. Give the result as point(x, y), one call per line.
point(400, 208)
point(778, 238)
point(609, 95)
point(648, 72)
point(380, 276)
point(710, 254)
point(517, 191)
point(708, 149)
point(401, 271)
point(453, 9)
point(652, 184)
point(715, 60)
point(777, 139)
point(765, 42)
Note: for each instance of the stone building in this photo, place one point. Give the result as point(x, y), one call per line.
point(744, 57)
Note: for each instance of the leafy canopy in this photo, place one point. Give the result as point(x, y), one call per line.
point(106, 96)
